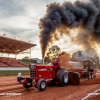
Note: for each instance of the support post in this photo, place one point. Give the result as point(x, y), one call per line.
point(30, 55)
point(15, 56)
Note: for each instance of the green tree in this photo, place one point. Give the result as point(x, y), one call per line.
point(26, 57)
point(53, 52)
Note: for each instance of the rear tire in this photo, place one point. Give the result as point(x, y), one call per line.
point(62, 77)
point(41, 84)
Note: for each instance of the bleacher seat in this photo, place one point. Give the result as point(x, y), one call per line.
point(7, 62)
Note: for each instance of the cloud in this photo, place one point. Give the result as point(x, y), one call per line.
point(65, 44)
point(17, 18)
point(10, 8)
point(20, 18)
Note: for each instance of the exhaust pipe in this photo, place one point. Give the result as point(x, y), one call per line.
point(43, 61)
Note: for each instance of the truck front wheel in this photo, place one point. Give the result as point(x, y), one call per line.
point(41, 84)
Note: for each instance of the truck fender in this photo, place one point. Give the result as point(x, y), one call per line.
point(74, 78)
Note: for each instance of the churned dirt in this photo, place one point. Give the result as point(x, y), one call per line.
point(8, 84)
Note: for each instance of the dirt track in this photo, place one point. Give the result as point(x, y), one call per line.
point(8, 84)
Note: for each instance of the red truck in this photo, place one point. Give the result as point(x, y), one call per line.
point(41, 75)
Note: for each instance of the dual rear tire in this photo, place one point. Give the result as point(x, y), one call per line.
point(62, 77)
point(91, 75)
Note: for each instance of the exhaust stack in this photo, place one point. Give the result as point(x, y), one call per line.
point(43, 61)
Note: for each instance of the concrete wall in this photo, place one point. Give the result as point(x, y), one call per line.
point(15, 68)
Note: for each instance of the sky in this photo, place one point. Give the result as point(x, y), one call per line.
point(20, 18)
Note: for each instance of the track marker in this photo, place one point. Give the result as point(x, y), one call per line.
point(89, 94)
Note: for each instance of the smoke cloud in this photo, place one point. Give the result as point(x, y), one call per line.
point(60, 19)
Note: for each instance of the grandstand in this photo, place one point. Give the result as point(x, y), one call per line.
point(13, 46)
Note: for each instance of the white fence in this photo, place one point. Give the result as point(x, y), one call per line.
point(14, 68)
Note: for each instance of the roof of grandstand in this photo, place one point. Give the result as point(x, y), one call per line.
point(13, 46)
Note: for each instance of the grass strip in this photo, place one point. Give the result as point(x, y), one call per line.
point(13, 72)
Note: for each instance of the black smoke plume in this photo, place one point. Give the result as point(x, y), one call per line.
point(61, 18)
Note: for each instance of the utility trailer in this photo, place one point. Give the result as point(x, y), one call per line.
point(41, 75)
point(88, 70)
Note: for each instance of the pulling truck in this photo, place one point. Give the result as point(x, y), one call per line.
point(41, 75)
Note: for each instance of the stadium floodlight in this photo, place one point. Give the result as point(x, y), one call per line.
point(15, 37)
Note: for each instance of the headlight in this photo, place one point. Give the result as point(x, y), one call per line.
point(32, 66)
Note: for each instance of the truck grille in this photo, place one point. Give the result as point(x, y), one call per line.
point(33, 73)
